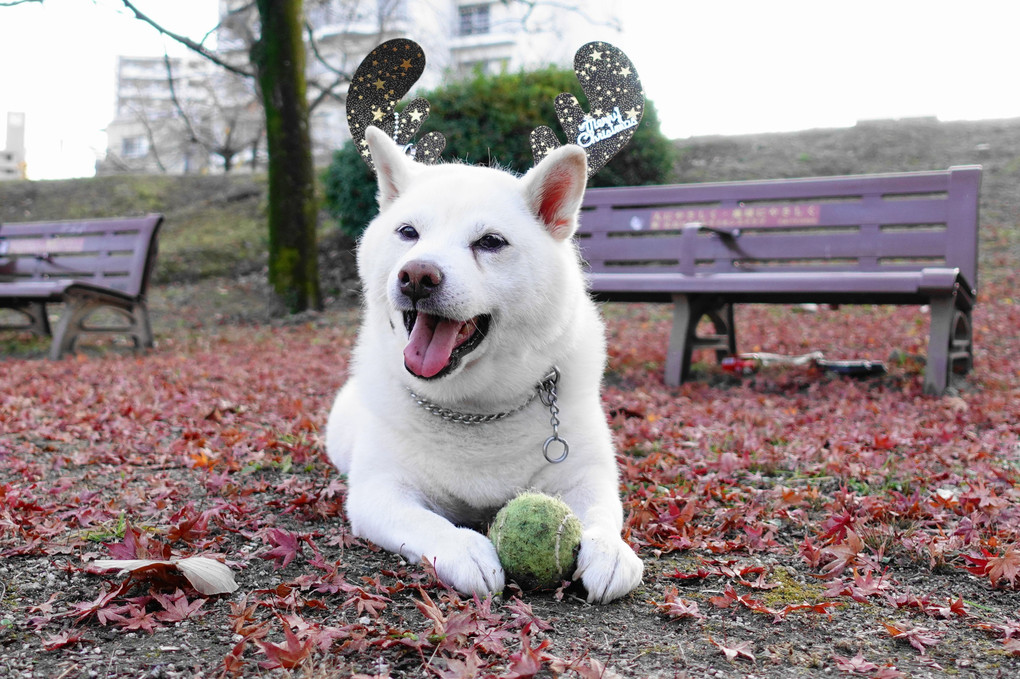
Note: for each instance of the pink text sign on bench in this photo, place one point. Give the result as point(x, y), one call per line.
point(803, 214)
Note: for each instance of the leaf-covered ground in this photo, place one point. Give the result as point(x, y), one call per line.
point(791, 522)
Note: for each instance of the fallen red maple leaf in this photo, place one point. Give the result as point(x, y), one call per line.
point(1005, 567)
point(137, 545)
point(287, 545)
point(759, 582)
point(811, 555)
point(233, 662)
point(1008, 629)
point(699, 574)
point(61, 639)
point(918, 637)
point(139, 619)
point(855, 664)
point(866, 585)
point(468, 668)
point(738, 650)
point(97, 607)
point(287, 655)
point(822, 607)
point(995, 568)
point(730, 597)
point(845, 553)
point(837, 527)
point(957, 608)
point(524, 615)
point(529, 661)
point(364, 601)
point(187, 526)
point(675, 607)
point(176, 606)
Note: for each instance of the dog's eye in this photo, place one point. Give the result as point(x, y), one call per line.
point(491, 242)
point(407, 232)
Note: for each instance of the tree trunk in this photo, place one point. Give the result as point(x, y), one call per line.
point(279, 60)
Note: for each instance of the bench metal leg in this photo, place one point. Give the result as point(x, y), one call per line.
point(725, 341)
point(961, 352)
point(73, 323)
point(950, 344)
point(143, 328)
point(36, 319)
point(683, 338)
point(678, 356)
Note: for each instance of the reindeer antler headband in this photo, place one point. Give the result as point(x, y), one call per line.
point(607, 77)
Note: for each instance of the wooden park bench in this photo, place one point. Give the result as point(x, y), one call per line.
point(901, 238)
point(87, 265)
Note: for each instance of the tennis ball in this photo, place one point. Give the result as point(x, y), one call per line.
point(537, 538)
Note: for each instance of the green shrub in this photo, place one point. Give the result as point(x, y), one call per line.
point(487, 120)
point(349, 188)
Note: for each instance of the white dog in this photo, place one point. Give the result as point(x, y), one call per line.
point(473, 296)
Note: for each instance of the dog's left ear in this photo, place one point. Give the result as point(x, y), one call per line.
point(393, 169)
point(554, 189)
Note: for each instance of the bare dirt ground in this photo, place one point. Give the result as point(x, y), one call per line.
point(792, 524)
point(210, 445)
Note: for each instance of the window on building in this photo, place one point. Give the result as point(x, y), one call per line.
point(474, 19)
point(134, 147)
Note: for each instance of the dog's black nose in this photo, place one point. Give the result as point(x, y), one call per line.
point(419, 280)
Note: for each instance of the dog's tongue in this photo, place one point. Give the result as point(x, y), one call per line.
point(430, 345)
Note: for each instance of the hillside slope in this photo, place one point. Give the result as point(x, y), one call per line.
point(215, 225)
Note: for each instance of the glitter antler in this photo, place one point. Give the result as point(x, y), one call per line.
point(617, 101)
point(384, 76)
point(607, 77)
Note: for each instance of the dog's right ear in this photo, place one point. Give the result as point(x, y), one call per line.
point(554, 189)
point(393, 168)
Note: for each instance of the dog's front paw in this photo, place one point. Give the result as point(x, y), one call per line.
point(467, 562)
point(607, 567)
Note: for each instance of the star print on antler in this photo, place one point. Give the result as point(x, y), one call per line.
point(383, 78)
point(617, 101)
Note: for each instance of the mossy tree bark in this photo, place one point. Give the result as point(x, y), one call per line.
point(279, 60)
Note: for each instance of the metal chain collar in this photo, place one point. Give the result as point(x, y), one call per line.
point(545, 391)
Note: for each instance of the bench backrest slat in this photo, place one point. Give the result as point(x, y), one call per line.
point(889, 222)
point(115, 253)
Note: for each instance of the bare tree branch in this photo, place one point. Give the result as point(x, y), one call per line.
point(229, 146)
point(188, 42)
point(325, 91)
point(153, 146)
point(531, 5)
point(176, 102)
point(328, 91)
point(314, 45)
point(150, 135)
point(12, 3)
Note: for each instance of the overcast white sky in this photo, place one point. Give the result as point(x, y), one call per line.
point(711, 66)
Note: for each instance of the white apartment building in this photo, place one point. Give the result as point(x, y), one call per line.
point(151, 133)
point(147, 133)
point(12, 156)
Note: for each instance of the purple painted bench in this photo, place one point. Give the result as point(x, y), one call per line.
point(903, 238)
point(87, 265)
